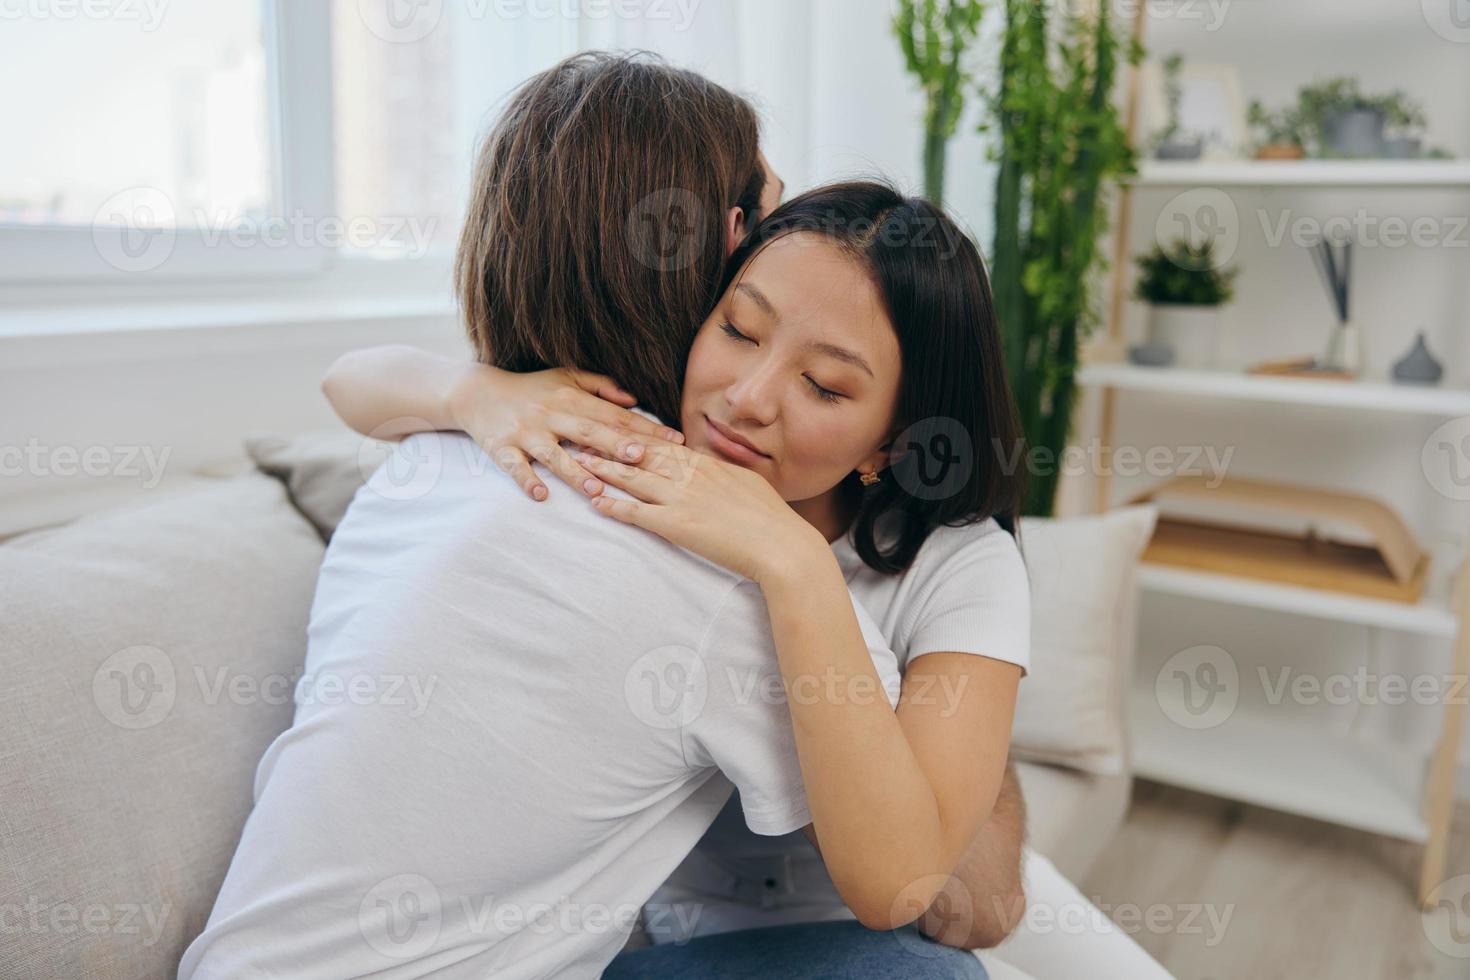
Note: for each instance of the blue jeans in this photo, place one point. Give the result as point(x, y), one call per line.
point(802, 951)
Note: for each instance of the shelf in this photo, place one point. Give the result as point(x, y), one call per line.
point(1379, 396)
point(1424, 618)
point(1303, 173)
point(1282, 766)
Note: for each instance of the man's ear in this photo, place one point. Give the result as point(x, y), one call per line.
point(734, 230)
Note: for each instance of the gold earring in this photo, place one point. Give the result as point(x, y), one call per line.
point(869, 479)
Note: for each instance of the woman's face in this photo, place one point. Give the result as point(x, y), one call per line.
point(795, 374)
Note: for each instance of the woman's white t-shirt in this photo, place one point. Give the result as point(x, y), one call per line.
point(966, 592)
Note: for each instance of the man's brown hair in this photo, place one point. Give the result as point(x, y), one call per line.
point(595, 231)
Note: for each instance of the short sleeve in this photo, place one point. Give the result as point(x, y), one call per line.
point(744, 725)
point(972, 596)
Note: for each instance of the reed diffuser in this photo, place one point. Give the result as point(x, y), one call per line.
point(1345, 345)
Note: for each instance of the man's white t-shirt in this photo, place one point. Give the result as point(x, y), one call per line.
point(966, 592)
point(505, 739)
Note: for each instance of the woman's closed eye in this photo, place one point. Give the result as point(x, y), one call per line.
point(734, 334)
point(826, 394)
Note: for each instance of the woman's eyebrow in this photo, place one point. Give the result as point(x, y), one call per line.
point(841, 353)
point(759, 298)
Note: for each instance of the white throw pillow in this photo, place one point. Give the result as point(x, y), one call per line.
point(1071, 708)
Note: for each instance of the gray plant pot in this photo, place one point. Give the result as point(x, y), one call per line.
point(1178, 149)
point(1354, 133)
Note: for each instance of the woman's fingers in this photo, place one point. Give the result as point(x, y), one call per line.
point(515, 463)
point(602, 386)
point(648, 487)
point(627, 511)
point(672, 462)
point(600, 438)
point(560, 462)
point(612, 412)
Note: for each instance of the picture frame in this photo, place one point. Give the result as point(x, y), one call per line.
point(1211, 106)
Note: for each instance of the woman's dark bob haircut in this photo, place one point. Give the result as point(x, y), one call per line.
point(956, 419)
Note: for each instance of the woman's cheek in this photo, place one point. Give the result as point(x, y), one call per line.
point(823, 451)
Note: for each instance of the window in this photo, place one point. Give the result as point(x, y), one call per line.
point(188, 141)
point(158, 139)
point(121, 113)
point(395, 140)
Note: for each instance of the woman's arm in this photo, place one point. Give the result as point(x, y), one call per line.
point(394, 391)
point(984, 899)
point(896, 797)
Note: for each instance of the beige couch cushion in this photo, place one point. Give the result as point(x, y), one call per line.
point(147, 657)
point(322, 470)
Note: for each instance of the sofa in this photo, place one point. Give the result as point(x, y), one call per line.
point(149, 655)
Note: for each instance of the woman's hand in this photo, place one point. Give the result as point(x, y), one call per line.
point(516, 418)
point(720, 511)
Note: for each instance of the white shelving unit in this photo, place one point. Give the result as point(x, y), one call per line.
point(1303, 173)
point(1425, 618)
point(1280, 766)
point(1258, 759)
point(1237, 385)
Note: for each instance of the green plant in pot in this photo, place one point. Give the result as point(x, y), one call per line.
point(1348, 123)
point(1345, 122)
point(1185, 286)
point(1278, 134)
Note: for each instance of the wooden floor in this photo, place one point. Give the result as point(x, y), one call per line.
point(1309, 899)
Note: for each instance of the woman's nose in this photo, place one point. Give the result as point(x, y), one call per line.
point(753, 396)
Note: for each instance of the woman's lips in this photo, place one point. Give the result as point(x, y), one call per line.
point(728, 444)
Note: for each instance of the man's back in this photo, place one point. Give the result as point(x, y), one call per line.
point(504, 736)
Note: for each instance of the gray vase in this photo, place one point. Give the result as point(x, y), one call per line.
point(1354, 133)
point(1418, 367)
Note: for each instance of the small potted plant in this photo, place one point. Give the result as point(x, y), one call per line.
point(1404, 122)
point(1278, 134)
point(1348, 123)
point(1172, 143)
point(1185, 289)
